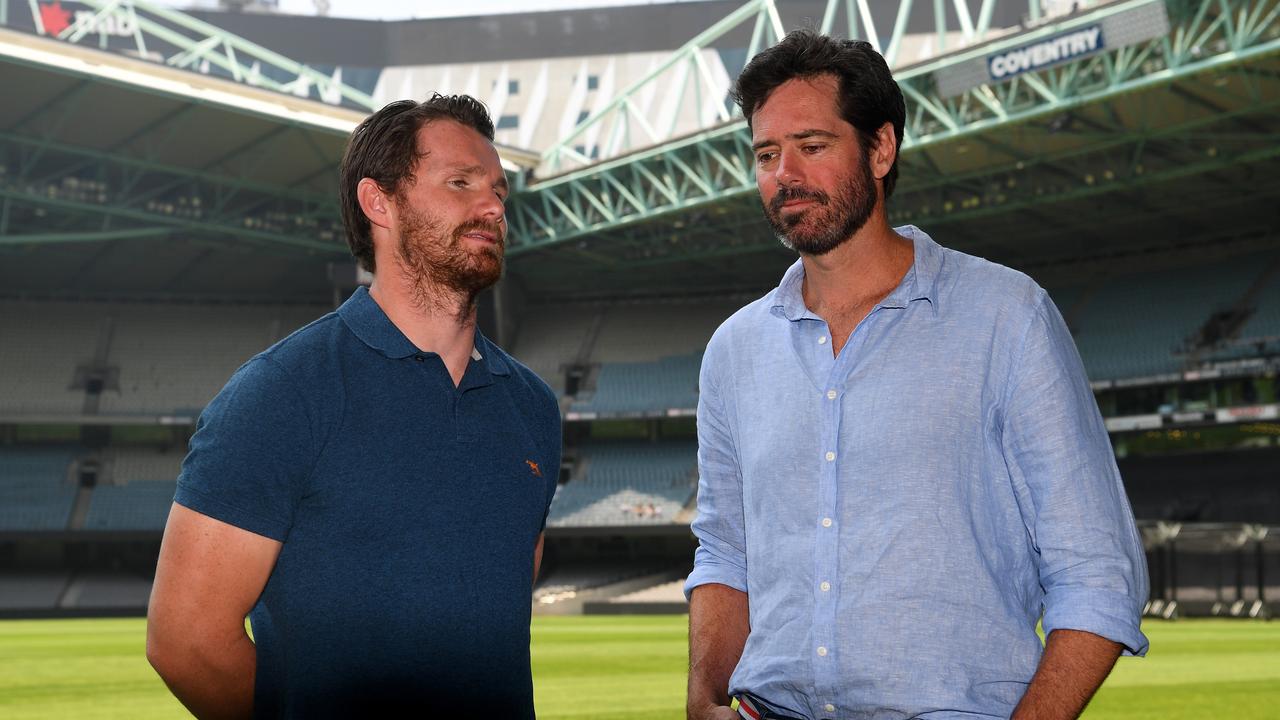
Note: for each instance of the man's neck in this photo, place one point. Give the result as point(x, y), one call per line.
point(444, 325)
point(858, 273)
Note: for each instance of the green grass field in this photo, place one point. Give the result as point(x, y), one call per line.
point(583, 666)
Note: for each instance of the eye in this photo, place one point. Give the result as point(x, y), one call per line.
point(458, 182)
point(813, 148)
point(765, 158)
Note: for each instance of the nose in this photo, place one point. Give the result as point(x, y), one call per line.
point(493, 209)
point(788, 171)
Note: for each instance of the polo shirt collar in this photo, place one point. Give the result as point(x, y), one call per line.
point(490, 355)
point(920, 282)
point(364, 317)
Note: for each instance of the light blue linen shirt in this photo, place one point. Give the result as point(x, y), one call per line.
point(902, 515)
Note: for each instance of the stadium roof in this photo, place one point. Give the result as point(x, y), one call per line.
point(124, 177)
point(575, 32)
point(120, 176)
point(1154, 147)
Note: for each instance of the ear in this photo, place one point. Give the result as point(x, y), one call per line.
point(884, 152)
point(375, 203)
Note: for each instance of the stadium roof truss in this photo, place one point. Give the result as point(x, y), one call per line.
point(169, 168)
point(128, 155)
point(178, 40)
point(1196, 97)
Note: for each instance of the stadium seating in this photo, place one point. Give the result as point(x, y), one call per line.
point(649, 388)
point(550, 338)
point(35, 491)
point(26, 590)
point(559, 584)
point(627, 484)
point(652, 331)
point(647, 353)
point(1140, 324)
point(106, 590)
point(42, 345)
point(1260, 333)
point(175, 358)
point(139, 494)
point(169, 358)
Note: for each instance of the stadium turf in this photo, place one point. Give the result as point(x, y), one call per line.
point(629, 668)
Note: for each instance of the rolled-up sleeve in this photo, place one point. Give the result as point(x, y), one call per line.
point(721, 556)
point(1090, 557)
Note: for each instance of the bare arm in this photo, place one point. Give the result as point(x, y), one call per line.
point(537, 556)
point(208, 577)
point(1072, 669)
point(718, 628)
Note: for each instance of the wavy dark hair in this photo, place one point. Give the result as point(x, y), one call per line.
point(869, 96)
point(385, 149)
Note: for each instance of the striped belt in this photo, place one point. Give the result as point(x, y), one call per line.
point(753, 708)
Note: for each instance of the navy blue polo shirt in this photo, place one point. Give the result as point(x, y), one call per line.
point(408, 510)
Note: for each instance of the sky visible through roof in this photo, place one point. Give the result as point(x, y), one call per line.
point(408, 9)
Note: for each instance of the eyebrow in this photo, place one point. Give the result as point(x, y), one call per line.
point(479, 170)
point(801, 135)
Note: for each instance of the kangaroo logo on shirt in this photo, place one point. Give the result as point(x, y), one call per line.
point(533, 466)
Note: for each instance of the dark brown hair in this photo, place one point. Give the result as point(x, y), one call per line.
point(869, 96)
point(384, 148)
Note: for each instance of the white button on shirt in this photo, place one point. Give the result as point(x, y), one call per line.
point(829, 707)
point(822, 340)
point(911, 485)
point(825, 586)
point(831, 394)
point(822, 652)
point(830, 456)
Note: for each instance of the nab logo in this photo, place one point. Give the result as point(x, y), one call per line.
point(54, 18)
point(533, 466)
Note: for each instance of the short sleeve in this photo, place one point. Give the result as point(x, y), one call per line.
point(253, 450)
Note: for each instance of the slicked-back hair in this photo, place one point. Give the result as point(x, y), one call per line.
point(869, 96)
point(384, 148)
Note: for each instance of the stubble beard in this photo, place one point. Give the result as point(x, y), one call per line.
point(444, 275)
point(821, 229)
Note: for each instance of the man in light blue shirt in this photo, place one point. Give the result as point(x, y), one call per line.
point(902, 466)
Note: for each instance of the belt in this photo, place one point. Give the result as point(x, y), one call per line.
point(753, 708)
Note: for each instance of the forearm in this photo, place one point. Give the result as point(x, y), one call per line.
point(718, 628)
point(214, 679)
point(1072, 669)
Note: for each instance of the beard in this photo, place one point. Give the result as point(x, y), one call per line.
point(440, 267)
point(820, 229)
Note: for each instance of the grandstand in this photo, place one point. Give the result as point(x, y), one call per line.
point(163, 222)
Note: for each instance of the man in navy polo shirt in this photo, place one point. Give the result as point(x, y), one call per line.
point(371, 491)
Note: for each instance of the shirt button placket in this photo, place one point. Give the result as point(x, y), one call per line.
point(827, 544)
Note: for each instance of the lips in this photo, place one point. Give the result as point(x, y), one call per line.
point(487, 233)
point(796, 198)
